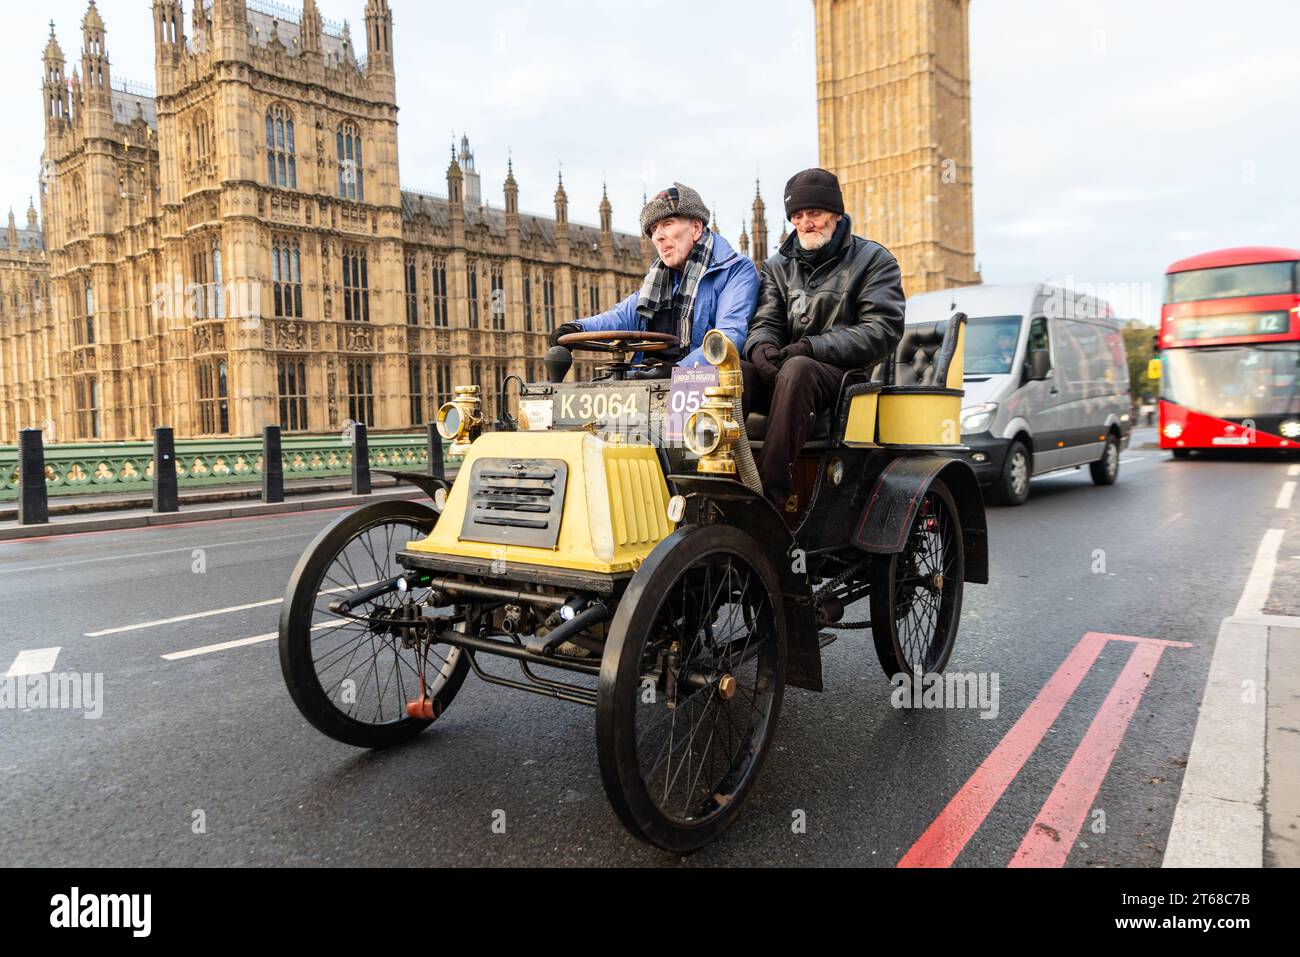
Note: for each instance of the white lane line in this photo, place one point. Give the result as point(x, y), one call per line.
point(1219, 820)
point(1293, 471)
point(208, 614)
point(1284, 496)
point(36, 661)
point(1255, 593)
point(190, 617)
point(163, 551)
point(241, 642)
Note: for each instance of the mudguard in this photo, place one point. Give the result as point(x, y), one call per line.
point(426, 483)
point(892, 506)
point(754, 515)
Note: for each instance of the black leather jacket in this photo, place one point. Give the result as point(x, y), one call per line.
point(850, 307)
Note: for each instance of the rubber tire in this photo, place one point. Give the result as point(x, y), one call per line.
point(1003, 491)
point(883, 572)
point(620, 684)
point(295, 640)
point(1182, 453)
point(1100, 474)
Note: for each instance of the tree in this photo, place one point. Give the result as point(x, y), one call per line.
point(1139, 344)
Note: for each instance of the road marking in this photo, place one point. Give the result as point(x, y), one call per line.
point(957, 823)
point(1294, 470)
point(1219, 820)
point(240, 642)
point(1284, 496)
point(162, 551)
point(37, 661)
point(190, 617)
point(1255, 594)
point(208, 614)
point(1051, 837)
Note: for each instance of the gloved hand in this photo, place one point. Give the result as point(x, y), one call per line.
point(800, 348)
point(564, 330)
point(649, 369)
point(765, 358)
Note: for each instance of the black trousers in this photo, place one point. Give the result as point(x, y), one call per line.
point(803, 387)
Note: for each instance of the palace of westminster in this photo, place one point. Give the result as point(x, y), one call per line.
point(236, 250)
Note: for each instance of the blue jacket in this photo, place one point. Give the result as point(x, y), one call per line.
point(725, 300)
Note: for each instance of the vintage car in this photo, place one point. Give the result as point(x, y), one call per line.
point(645, 575)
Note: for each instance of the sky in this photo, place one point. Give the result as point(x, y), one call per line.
point(1110, 138)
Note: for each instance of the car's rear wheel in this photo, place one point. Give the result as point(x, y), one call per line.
point(916, 594)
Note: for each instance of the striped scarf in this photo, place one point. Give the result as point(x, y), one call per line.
point(657, 290)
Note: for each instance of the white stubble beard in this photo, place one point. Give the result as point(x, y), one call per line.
point(811, 242)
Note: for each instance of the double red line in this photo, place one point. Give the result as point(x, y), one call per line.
point(1050, 838)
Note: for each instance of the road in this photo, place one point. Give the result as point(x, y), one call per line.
point(204, 760)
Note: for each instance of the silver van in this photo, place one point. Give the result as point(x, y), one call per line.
point(1046, 383)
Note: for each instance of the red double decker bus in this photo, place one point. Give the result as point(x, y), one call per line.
point(1230, 351)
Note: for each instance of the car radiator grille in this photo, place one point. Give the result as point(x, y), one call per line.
point(516, 502)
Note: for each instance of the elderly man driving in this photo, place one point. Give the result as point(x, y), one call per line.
point(697, 283)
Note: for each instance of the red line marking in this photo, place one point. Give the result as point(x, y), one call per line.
point(1050, 838)
point(1145, 641)
point(957, 823)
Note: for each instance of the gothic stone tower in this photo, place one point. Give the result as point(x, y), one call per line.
point(893, 97)
point(236, 250)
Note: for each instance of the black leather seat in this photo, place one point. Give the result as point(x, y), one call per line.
point(925, 353)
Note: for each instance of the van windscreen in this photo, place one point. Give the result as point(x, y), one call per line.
point(991, 344)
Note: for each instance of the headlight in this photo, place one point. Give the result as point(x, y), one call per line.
point(703, 432)
point(1291, 428)
point(450, 420)
point(1173, 430)
point(977, 418)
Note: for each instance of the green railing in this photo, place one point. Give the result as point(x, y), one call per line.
point(89, 468)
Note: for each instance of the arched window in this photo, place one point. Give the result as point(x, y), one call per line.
point(351, 177)
point(281, 162)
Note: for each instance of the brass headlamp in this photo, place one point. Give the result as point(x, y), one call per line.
point(711, 431)
point(459, 421)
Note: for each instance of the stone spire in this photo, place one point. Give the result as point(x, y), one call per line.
point(13, 232)
point(561, 201)
point(31, 212)
point(760, 226)
point(511, 189)
point(744, 240)
point(311, 27)
point(94, 59)
point(606, 210)
point(54, 87)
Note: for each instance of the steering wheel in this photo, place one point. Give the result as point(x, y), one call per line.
point(619, 340)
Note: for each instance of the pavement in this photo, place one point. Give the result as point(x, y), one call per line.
point(71, 514)
point(1102, 622)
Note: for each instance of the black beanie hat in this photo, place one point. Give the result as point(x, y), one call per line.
point(813, 189)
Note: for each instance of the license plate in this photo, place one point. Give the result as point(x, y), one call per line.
point(1230, 440)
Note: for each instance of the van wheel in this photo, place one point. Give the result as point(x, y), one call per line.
point(1012, 486)
point(1106, 469)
